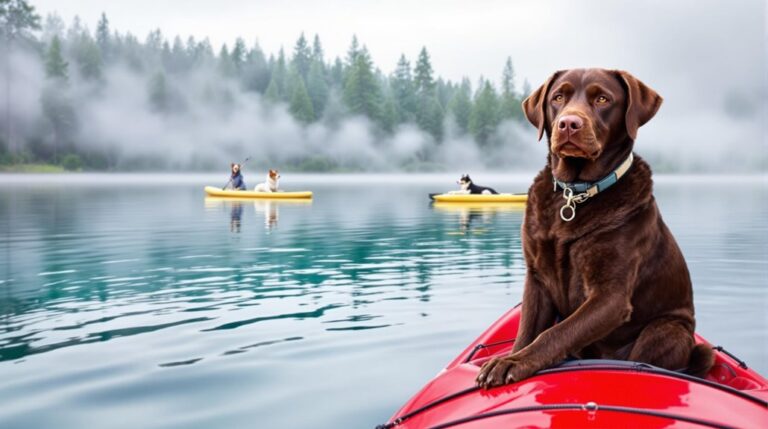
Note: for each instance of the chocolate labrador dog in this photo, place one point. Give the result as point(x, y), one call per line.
point(605, 278)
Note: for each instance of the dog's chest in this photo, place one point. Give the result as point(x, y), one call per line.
point(549, 251)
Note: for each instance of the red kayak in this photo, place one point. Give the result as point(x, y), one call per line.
point(586, 393)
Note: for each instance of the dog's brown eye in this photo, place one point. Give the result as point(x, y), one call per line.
point(558, 98)
point(601, 99)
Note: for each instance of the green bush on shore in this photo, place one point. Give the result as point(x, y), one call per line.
point(31, 168)
point(72, 162)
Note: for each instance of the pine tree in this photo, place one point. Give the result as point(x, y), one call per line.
point(510, 103)
point(55, 104)
point(272, 93)
point(485, 114)
point(17, 20)
point(88, 58)
point(178, 59)
point(317, 87)
point(159, 97)
point(337, 73)
point(508, 78)
point(277, 88)
point(362, 93)
point(444, 91)
point(191, 50)
point(257, 71)
point(60, 115)
point(403, 91)
point(318, 54)
point(132, 53)
point(154, 42)
point(103, 37)
point(389, 115)
point(460, 106)
point(302, 56)
point(301, 104)
point(353, 51)
point(202, 54)
point(53, 26)
point(423, 80)
point(526, 88)
point(226, 66)
point(429, 113)
point(55, 66)
point(166, 58)
point(238, 56)
point(432, 118)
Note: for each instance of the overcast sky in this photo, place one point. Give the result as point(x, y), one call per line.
point(470, 37)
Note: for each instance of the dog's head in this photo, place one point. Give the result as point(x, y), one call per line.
point(273, 175)
point(464, 182)
point(235, 168)
point(584, 110)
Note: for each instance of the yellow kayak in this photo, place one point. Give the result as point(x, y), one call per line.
point(480, 198)
point(218, 192)
point(486, 207)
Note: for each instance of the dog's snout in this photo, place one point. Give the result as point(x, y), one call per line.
point(570, 124)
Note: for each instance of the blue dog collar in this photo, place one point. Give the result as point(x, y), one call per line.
point(578, 192)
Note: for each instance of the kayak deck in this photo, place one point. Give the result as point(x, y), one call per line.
point(479, 198)
point(218, 192)
point(585, 393)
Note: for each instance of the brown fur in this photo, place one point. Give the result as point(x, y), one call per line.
point(614, 276)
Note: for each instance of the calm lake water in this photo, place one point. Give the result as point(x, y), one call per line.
point(138, 303)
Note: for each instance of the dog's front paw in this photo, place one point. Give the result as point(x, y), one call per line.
point(504, 370)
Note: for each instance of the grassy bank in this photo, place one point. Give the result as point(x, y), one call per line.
point(32, 168)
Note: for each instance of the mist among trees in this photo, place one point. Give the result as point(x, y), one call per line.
point(108, 100)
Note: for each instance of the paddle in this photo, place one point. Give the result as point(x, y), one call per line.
point(230, 177)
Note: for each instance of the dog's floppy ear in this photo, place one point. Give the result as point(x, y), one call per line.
point(535, 105)
point(642, 103)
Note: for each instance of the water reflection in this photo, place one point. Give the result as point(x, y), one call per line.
point(322, 264)
point(235, 216)
point(476, 218)
point(266, 208)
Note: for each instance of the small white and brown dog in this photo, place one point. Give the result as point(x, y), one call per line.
point(271, 184)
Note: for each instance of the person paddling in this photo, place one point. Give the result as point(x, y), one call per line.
point(236, 180)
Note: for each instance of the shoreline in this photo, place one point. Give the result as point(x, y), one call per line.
point(8, 179)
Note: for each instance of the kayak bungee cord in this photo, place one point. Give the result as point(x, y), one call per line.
point(741, 363)
point(485, 346)
point(398, 421)
point(573, 366)
point(589, 407)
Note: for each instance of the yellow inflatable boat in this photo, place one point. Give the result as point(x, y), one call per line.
point(479, 198)
point(218, 192)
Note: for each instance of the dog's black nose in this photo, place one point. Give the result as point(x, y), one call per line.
point(570, 124)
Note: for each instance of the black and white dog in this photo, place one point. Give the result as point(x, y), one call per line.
point(468, 187)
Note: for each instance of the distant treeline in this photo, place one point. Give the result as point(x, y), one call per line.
point(314, 88)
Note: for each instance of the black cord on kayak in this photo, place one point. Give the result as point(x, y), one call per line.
point(485, 346)
point(588, 407)
point(574, 366)
point(741, 363)
point(398, 421)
